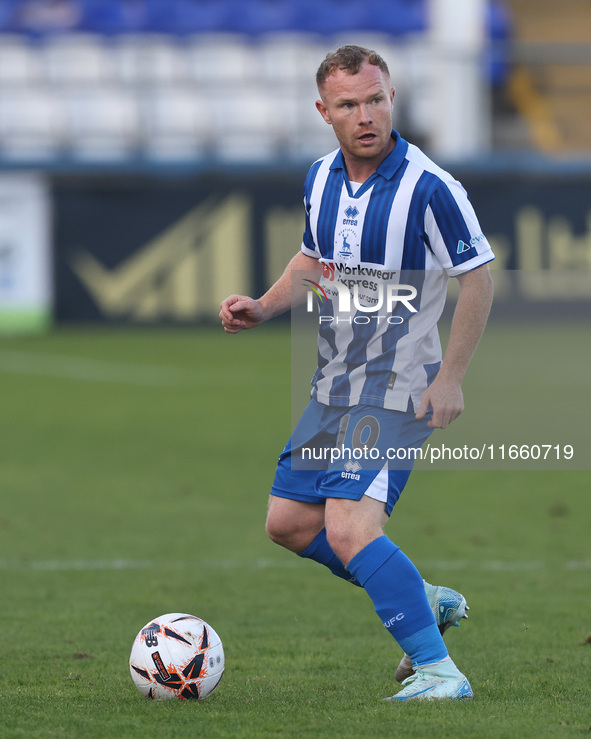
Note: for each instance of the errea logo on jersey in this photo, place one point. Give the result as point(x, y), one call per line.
point(351, 212)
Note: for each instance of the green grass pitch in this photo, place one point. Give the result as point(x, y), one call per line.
point(134, 470)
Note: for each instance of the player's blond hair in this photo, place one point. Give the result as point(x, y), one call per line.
point(349, 59)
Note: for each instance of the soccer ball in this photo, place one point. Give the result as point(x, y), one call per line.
point(177, 656)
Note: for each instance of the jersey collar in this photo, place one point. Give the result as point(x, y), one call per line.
point(388, 167)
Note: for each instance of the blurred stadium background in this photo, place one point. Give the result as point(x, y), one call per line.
point(152, 152)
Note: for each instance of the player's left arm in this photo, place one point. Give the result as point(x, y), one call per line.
point(444, 395)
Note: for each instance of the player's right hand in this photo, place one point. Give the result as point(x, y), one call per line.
point(239, 312)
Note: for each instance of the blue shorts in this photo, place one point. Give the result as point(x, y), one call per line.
point(337, 452)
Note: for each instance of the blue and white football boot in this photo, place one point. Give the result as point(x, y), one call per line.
point(441, 681)
point(449, 608)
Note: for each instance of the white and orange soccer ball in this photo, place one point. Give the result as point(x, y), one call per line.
point(177, 656)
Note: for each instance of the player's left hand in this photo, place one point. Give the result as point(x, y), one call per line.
point(445, 399)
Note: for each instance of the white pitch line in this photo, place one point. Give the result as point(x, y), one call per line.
point(56, 565)
point(89, 370)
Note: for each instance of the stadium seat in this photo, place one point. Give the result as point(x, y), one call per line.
point(112, 17)
point(142, 59)
point(31, 125)
point(260, 17)
point(77, 59)
point(101, 124)
point(220, 59)
point(20, 64)
point(176, 124)
point(8, 16)
point(290, 58)
point(41, 18)
point(187, 17)
point(245, 123)
point(313, 137)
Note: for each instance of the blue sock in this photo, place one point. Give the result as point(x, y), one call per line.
point(398, 594)
point(320, 551)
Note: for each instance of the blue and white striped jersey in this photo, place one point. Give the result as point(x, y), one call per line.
point(402, 233)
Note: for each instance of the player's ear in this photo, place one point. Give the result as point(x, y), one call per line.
point(392, 94)
point(322, 109)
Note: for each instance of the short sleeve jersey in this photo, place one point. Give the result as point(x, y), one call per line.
point(411, 223)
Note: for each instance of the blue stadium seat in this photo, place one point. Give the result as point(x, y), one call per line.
point(40, 17)
point(499, 30)
point(187, 17)
point(112, 17)
point(8, 16)
point(260, 17)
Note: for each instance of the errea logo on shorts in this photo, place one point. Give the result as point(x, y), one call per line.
point(393, 620)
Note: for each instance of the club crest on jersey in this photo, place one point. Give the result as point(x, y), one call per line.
point(351, 212)
point(347, 240)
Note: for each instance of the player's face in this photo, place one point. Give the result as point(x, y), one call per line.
point(359, 108)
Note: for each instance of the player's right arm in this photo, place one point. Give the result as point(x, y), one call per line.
point(239, 312)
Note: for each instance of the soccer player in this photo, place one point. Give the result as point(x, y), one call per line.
point(377, 206)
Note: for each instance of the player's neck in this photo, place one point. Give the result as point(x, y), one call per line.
point(360, 169)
